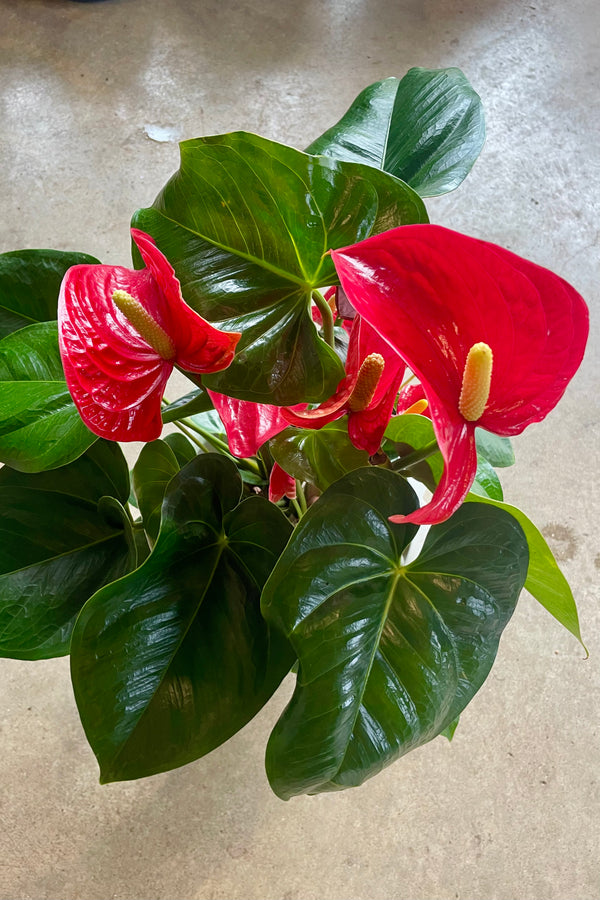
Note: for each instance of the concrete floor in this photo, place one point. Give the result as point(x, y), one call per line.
point(510, 810)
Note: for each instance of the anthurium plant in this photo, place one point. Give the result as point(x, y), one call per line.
point(324, 500)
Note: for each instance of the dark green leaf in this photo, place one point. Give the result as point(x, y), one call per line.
point(173, 659)
point(40, 427)
point(497, 450)
point(183, 449)
point(156, 465)
point(364, 131)
point(545, 581)
point(319, 457)
point(61, 541)
point(427, 129)
point(29, 285)
point(390, 653)
point(247, 224)
point(194, 402)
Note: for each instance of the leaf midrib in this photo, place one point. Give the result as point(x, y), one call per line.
point(262, 263)
point(398, 576)
point(57, 556)
point(185, 631)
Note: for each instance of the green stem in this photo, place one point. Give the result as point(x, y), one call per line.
point(265, 460)
point(300, 497)
point(216, 442)
point(327, 317)
point(249, 464)
point(192, 437)
point(416, 456)
point(296, 506)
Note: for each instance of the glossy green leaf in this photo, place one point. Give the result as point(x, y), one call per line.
point(247, 224)
point(156, 465)
point(318, 457)
point(410, 433)
point(159, 461)
point(60, 542)
point(426, 128)
point(390, 653)
point(545, 581)
point(406, 434)
point(173, 659)
point(497, 450)
point(29, 285)
point(183, 449)
point(195, 402)
point(211, 422)
point(40, 427)
point(486, 481)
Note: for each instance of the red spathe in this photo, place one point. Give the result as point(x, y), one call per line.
point(432, 293)
point(115, 377)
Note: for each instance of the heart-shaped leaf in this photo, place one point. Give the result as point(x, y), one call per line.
point(29, 285)
point(427, 129)
point(389, 653)
point(247, 224)
point(173, 659)
point(183, 449)
point(59, 545)
point(319, 457)
point(40, 427)
point(544, 581)
point(156, 465)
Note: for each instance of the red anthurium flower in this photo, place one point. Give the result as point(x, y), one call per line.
point(281, 484)
point(411, 399)
point(374, 373)
point(248, 425)
point(493, 338)
point(121, 332)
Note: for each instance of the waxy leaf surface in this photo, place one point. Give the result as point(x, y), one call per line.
point(152, 472)
point(545, 580)
point(247, 224)
point(389, 654)
point(413, 433)
point(497, 450)
point(40, 427)
point(29, 285)
point(426, 128)
point(183, 449)
point(173, 659)
point(59, 544)
point(319, 457)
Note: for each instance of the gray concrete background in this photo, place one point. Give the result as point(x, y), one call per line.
point(510, 810)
